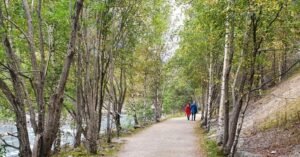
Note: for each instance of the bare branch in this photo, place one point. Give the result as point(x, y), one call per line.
point(17, 27)
point(265, 83)
point(9, 145)
point(7, 92)
point(270, 24)
point(70, 111)
point(11, 134)
point(41, 37)
point(19, 73)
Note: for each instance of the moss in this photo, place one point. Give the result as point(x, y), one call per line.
point(208, 147)
point(284, 118)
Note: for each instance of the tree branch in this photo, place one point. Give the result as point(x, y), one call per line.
point(17, 27)
point(9, 145)
point(262, 85)
point(20, 73)
point(270, 24)
point(7, 92)
point(10, 134)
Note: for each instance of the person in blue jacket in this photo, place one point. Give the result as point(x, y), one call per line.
point(194, 110)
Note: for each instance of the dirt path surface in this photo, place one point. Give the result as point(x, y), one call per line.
point(171, 138)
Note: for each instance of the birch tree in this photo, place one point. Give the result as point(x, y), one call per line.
point(223, 119)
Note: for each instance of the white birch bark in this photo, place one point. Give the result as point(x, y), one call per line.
point(228, 54)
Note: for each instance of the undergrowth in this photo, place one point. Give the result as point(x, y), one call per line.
point(285, 118)
point(175, 115)
point(106, 150)
point(208, 147)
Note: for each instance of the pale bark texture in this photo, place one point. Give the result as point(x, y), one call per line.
point(210, 91)
point(238, 98)
point(228, 55)
point(202, 104)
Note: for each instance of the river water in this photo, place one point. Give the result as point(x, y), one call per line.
point(67, 134)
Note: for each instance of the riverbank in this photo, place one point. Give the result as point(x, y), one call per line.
point(67, 131)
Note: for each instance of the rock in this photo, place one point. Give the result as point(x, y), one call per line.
point(273, 152)
point(118, 140)
point(212, 137)
point(136, 126)
point(246, 154)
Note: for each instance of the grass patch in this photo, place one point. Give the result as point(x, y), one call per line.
point(208, 147)
point(106, 150)
point(175, 115)
point(286, 117)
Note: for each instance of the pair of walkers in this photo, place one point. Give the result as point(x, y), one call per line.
point(191, 109)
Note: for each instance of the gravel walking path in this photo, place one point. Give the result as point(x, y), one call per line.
point(171, 138)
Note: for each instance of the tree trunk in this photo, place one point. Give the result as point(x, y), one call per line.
point(90, 89)
point(145, 96)
point(237, 97)
point(228, 55)
point(233, 125)
point(210, 91)
point(120, 100)
point(21, 124)
point(57, 142)
point(284, 61)
point(118, 124)
point(136, 122)
point(108, 129)
point(38, 80)
point(113, 97)
point(251, 64)
point(22, 132)
point(203, 103)
point(157, 106)
point(274, 67)
point(92, 134)
point(56, 100)
point(79, 105)
point(205, 109)
point(17, 100)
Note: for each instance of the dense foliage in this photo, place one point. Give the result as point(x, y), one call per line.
point(79, 60)
point(91, 61)
point(231, 51)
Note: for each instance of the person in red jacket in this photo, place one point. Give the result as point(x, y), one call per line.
point(188, 111)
